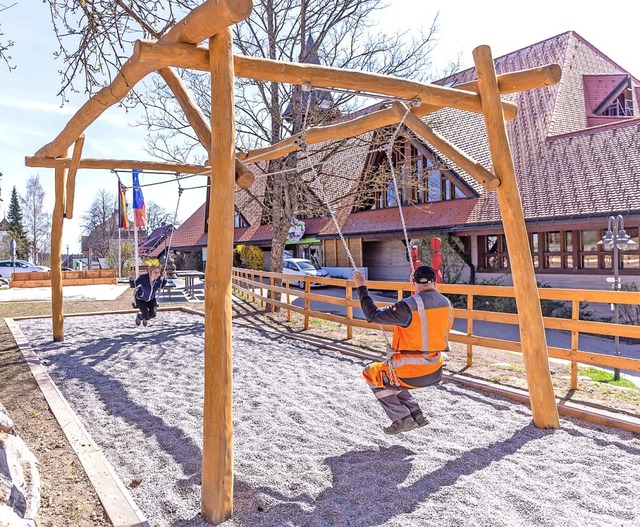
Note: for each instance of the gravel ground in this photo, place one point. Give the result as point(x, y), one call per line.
point(308, 445)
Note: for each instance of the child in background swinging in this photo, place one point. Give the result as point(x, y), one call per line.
point(146, 288)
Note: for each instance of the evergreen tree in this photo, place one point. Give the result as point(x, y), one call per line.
point(16, 229)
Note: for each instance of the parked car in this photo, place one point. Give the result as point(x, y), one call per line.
point(20, 266)
point(302, 267)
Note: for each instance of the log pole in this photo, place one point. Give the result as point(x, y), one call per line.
point(217, 445)
point(468, 164)
point(244, 177)
point(113, 164)
point(189, 56)
point(268, 70)
point(532, 335)
point(71, 178)
point(57, 220)
point(508, 82)
point(204, 21)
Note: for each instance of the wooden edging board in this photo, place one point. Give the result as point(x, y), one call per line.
point(114, 496)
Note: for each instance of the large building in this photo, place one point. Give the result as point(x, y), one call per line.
point(576, 152)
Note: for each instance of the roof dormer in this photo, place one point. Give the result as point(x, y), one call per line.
point(608, 98)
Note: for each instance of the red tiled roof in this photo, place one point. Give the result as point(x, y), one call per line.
point(419, 218)
point(188, 234)
point(564, 167)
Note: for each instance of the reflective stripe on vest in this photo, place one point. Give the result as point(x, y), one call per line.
point(423, 322)
point(432, 318)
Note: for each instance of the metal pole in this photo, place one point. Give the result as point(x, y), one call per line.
point(616, 287)
point(135, 250)
point(119, 252)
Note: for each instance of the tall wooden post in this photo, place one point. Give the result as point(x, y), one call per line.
point(57, 220)
point(532, 336)
point(217, 445)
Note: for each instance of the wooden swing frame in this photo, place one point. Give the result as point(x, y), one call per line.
point(179, 48)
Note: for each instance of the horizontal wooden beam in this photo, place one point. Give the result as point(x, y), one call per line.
point(196, 57)
point(522, 80)
point(116, 164)
point(183, 56)
point(244, 176)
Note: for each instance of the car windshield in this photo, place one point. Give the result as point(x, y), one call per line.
point(306, 266)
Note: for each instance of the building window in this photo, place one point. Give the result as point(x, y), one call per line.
point(558, 250)
point(631, 259)
point(561, 250)
point(494, 255)
point(589, 250)
point(420, 177)
point(239, 221)
point(535, 248)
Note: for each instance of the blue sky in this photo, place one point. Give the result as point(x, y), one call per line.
point(31, 115)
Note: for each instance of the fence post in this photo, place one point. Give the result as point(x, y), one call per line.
point(272, 295)
point(575, 315)
point(287, 285)
point(348, 297)
point(307, 302)
point(469, 330)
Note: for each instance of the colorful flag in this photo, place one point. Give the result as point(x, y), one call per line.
point(123, 221)
point(139, 208)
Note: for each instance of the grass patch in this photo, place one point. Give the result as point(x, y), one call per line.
point(605, 377)
point(324, 323)
point(510, 367)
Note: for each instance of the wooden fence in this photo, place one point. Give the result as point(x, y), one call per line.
point(260, 285)
point(87, 277)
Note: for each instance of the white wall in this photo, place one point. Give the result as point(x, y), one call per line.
point(386, 260)
point(346, 272)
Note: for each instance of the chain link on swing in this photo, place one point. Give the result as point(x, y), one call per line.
point(388, 150)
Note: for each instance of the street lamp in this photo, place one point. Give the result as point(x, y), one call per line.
point(616, 239)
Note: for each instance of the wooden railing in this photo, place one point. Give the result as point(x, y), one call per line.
point(260, 285)
point(87, 277)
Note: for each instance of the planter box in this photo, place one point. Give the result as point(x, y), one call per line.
point(98, 276)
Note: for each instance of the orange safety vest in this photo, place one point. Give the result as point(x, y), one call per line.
point(418, 358)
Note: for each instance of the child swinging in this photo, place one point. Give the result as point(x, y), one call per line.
point(146, 289)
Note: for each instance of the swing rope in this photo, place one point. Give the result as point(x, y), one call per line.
point(389, 153)
point(175, 219)
point(323, 196)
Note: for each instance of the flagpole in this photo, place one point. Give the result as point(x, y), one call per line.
point(139, 214)
point(135, 249)
point(119, 252)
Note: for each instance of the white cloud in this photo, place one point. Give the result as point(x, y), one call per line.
point(36, 106)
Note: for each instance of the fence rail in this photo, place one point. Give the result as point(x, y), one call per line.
point(262, 286)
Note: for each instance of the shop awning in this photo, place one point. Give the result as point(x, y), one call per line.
point(304, 241)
